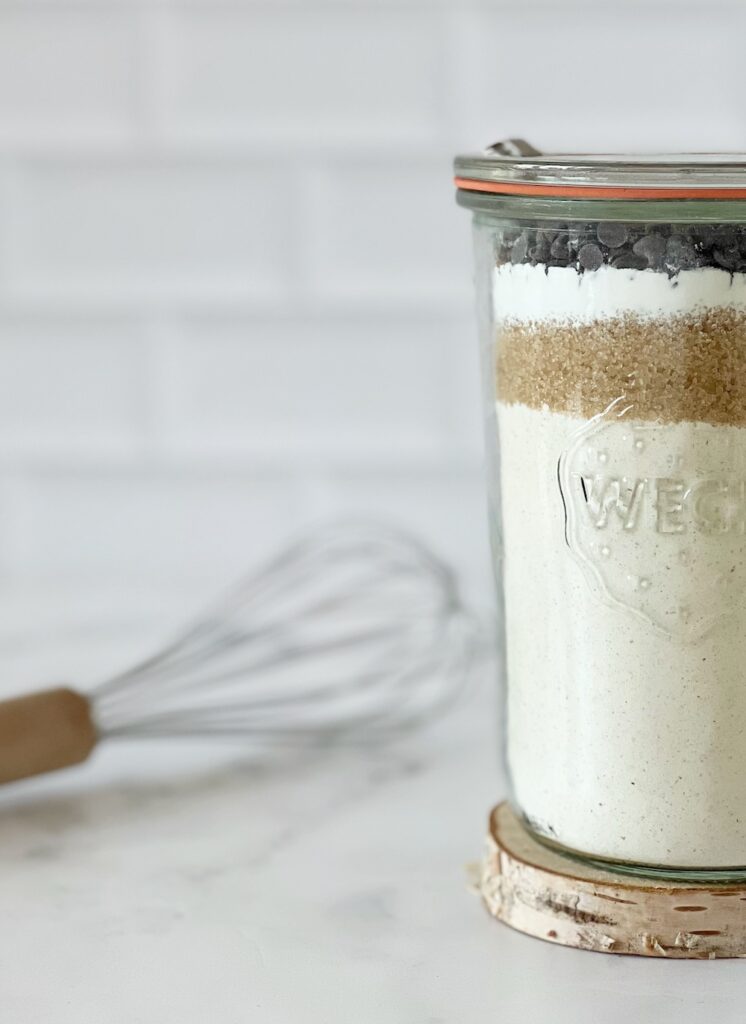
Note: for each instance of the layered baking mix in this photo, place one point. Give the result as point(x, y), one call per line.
point(621, 406)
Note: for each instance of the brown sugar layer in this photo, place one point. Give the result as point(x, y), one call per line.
point(674, 368)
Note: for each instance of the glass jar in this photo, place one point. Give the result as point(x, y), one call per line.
point(612, 311)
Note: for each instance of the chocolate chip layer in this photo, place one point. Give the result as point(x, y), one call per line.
point(665, 248)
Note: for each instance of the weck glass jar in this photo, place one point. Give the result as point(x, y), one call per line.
point(612, 311)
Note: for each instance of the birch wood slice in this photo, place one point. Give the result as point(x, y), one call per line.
point(541, 893)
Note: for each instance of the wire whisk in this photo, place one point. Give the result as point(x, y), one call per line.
point(353, 631)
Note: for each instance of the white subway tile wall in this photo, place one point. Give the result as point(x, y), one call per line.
point(235, 291)
point(66, 74)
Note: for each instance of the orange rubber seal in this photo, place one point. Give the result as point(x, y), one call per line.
point(512, 188)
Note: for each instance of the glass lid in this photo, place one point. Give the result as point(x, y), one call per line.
point(514, 167)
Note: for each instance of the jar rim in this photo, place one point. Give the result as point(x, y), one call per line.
point(500, 171)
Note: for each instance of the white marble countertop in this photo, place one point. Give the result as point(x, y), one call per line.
point(178, 884)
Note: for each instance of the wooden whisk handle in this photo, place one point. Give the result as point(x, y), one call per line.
point(43, 732)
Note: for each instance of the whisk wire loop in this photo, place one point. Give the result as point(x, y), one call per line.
point(353, 630)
